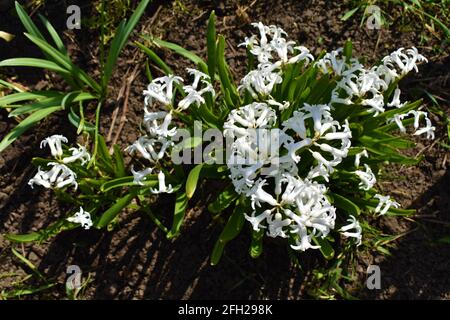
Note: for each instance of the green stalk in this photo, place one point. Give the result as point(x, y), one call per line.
point(96, 133)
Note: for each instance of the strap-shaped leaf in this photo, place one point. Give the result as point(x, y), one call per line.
point(223, 200)
point(211, 40)
point(256, 246)
point(123, 33)
point(229, 232)
point(64, 62)
point(325, 248)
point(35, 63)
point(27, 123)
point(54, 34)
point(345, 204)
point(192, 180)
point(114, 210)
point(181, 203)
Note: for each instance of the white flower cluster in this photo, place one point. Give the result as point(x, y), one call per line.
point(59, 176)
point(272, 51)
point(361, 86)
point(296, 206)
point(283, 167)
point(157, 142)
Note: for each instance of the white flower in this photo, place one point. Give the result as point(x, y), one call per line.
point(159, 130)
point(376, 103)
point(150, 148)
point(83, 218)
point(251, 116)
point(384, 204)
point(428, 129)
point(303, 55)
point(367, 178)
point(54, 143)
point(353, 224)
point(139, 176)
point(258, 195)
point(358, 157)
point(57, 177)
point(256, 220)
point(161, 90)
point(281, 106)
point(261, 81)
point(396, 100)
point(79, 153)
point(403, 61)
point(162, 185)
point(337, 63)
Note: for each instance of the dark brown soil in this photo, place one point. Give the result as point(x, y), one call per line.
point(136, 261)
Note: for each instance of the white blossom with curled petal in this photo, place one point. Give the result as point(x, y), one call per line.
point(161, 90)
point(367, 178)
point(256, 220)
point(358, 157)
point(152, 149)
point(261, 81)
point(335, 62)
point(79, 153)
point(384, 204)
point(251, 116)
point(396, 100)
point(157, 130)
point(55, 144)
point(139, 176)
point(162, 188)
point(355, 226)
point(59, 176)
point(428, 129)
point(403, 61)
point(83, 218)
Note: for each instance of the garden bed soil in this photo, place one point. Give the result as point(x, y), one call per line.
point(136, 260)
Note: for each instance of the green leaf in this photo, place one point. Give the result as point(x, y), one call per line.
point(104, 156)
point(179, 50)
point(64, 62)
point(181, 203)
point(23, 238)
point(325, 248)
point(192, 180)
point(211, 45)
point(114, 210)
point(10, 99)
point(223, 200)
point(122, 34)
point(77, 121)
point(348, 48)
point(348, 14)
point(119, 162)
point(155, 58)
point(224, 73)
point(56, 38)
point(345, 204)
point(151, 181)
point(35, 63)
point(27, 22)
point(27, 123)
point(230, 231)
point(256, 246)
